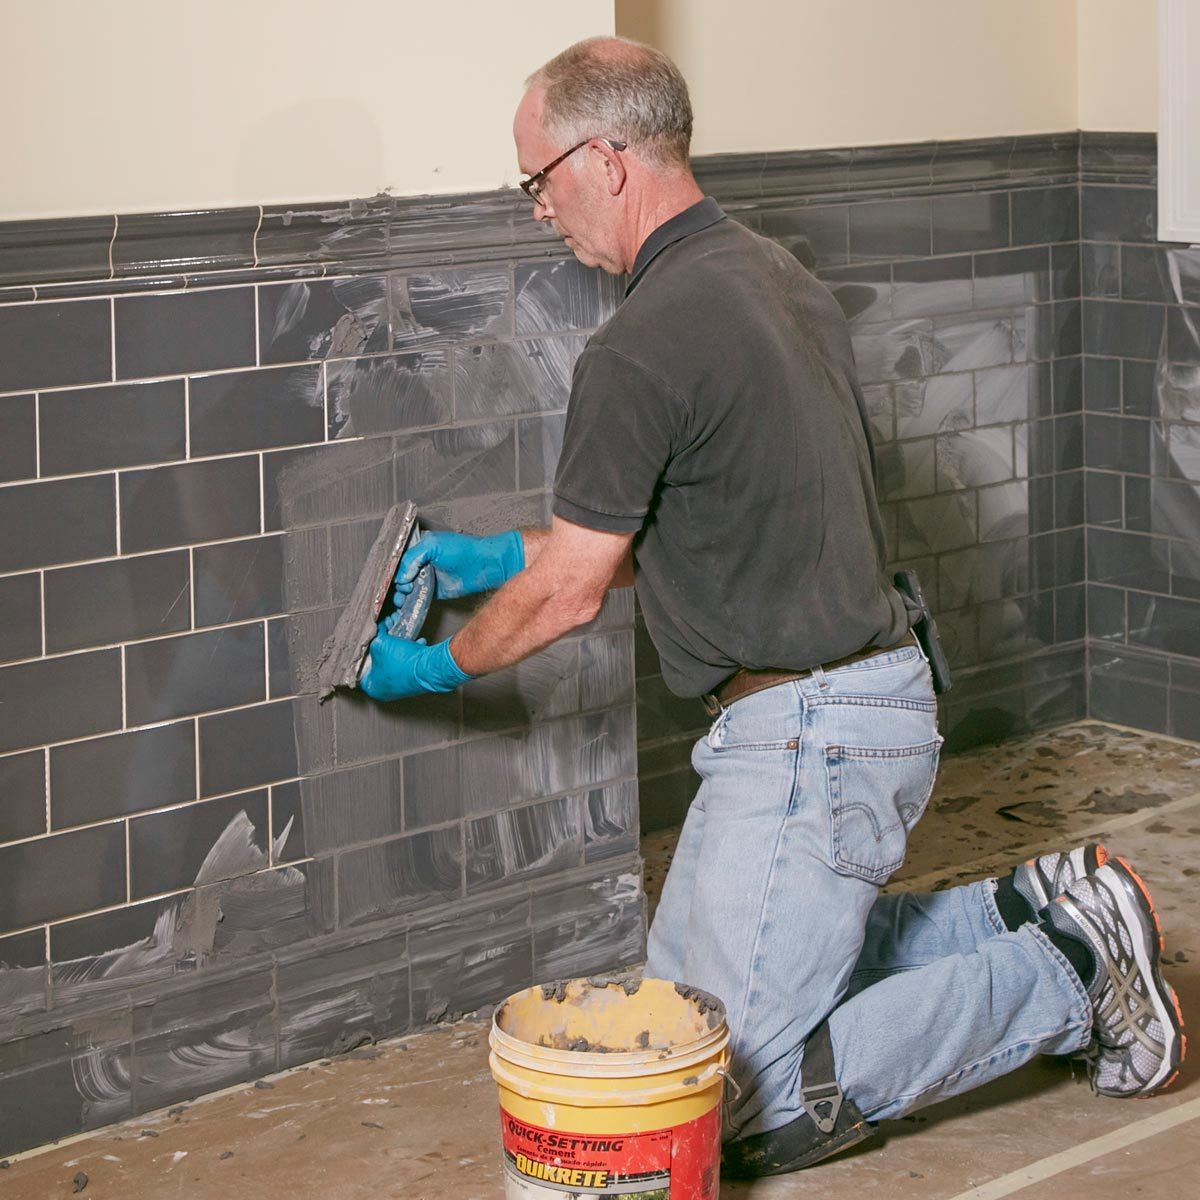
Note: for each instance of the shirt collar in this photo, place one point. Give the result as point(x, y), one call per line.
point(699, 216)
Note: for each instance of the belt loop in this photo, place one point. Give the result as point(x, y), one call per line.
point(818, 673)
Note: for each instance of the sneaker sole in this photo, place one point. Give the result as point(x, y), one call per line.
point(1163, 997)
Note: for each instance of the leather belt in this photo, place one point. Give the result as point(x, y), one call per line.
point(745, 681)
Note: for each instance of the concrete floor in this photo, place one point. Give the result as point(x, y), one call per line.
point(416, 1117)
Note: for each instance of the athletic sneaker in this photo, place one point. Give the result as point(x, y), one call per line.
point(1137, 1027)
point(1041, 879)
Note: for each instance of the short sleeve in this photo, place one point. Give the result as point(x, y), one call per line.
point(622, 426)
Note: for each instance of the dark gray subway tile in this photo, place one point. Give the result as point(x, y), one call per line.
point(522, 843)
point(258, 577)
point(457, 305)
point(247, 748)
point(116, 601)
point(935, 405)
point(121, 425)
point(22, 795)
point(544, 686)
point(1164, 623)
point(974, 458)
point(1117, 443)
point(287, 823)
point(182, 332)
point(500, 378)
point(1066, 271)
point(367, 730)
point(1068, 442)
point(1045, 215)
point(256, 410)
point(1145, 274)
point(1106, 613)
point(1118, 214)
point(60, 876)
point(1129, 689)
point(185, 241)
point(539, 443)
point(1183, 335)
point(349, 545)
point(335, 482)
point(322, 318)
point(1123, 330)
point(400, 874)
point(1070, 613)
point(817, 237)
point(448, 464)
point(294, 647)
point(863, 293)
point(1041, 504)
point(891, 229)
point(1139, 503)
point(610, 817)
point(351, 807)
point(191, 502)
point(57, 699)
point(167, 850)
point(1068, 384)
point(1004, 511)
point(1138, 387)
point(1102, 384)
point(980, 573)
point(18, 447)
point(1128, 560)
point(1100, 269)
point(1183, 718)
point(973, 221)
point(1007, 278)
point(62, 520)
point(20, 617)
point(113, 776)
point(177, 676)
point(23, 950)
point(556, 295)
point(389, 393)
point(1005, 394)
point(967, 341)
point(931, 286)
point(1105, 499)
point(54, 344)
point(1052, 330)
point(1069, 503)
point(88, 937)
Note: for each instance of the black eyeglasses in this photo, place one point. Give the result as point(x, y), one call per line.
point(532, 186)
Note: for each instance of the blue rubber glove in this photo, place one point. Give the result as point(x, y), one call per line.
point(462, 564)
point(397, 668)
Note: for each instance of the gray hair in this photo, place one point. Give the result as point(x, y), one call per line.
point(614, 87)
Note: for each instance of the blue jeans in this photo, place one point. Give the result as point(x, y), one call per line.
point(808, 793)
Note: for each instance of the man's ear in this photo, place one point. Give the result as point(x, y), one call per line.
point(614, 167)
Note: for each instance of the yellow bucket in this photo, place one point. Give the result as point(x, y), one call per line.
point(610, 1087)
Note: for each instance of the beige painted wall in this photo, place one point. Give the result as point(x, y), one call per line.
point(144, 105)
point(795, 74)
point(792, 74)
point(1118, 64)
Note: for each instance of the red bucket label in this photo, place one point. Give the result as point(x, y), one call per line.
point(680, 1163)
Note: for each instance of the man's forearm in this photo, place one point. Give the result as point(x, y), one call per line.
point(522, 618)
point(535, 539)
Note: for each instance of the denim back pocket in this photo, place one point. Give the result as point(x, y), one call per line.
point(876, 796)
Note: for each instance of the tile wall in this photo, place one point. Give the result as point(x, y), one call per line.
point(204, 874)
point(1141, 343)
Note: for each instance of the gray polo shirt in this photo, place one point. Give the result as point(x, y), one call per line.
point(717, 415)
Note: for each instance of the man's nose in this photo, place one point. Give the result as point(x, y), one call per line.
point(542, 212)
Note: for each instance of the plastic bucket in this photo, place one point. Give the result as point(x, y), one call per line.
point(610, 1087)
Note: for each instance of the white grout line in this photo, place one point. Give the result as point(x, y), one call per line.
point(266, 660)
point(257, 231)
point(1085, 1152)
point(37, 434)
point(262, 505)
point(271, 825)
point(257, 352)
point(191, 587)
point(112, 243)
point(42, 603)
point(47, 943)
point(187, 418)
point(124, 715)
point(117, 504)
point(196, 753)
point(47, 769)
point(128, 867)
point(112, 336)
